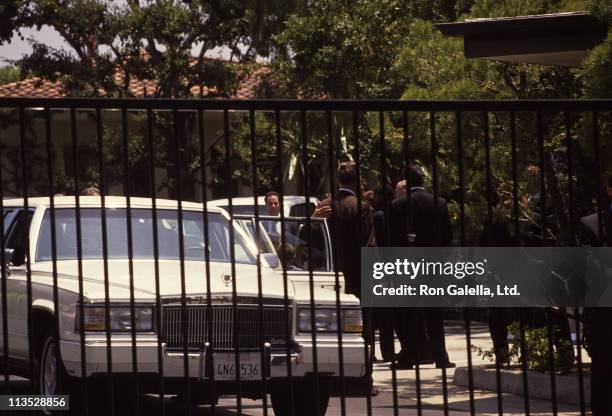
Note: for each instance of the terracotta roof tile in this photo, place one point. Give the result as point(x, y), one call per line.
point(37, 87)
point(31, 87)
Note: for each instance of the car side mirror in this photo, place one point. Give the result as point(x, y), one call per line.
point(272, 259)
point(8, 257)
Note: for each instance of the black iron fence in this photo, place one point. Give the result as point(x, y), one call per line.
point(117, 282)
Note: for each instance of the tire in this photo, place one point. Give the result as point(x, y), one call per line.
point(303, 403)
point(53, 379)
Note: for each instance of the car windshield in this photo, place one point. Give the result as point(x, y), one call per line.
point(167, 225)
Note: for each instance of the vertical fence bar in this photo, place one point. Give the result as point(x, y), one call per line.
point(515, 216)
point(524, 358)
point(466, 311)
point(158, 302)
point(434, 174)
point(600, 211)
point(179, 197)
point(541, 155)
point(50, 173)
point(368, 311)
point(332, 187)
point(489, 194)
point(383, 170)
point(257, 235)
point(387, 233)
point(488, 174)
point(409, 231)
point(209, 316)
point(572, 231)
point(26, 208)
point(461, 171)
point(551, 359)
point(130, 248)
point(600, 205)
point(313, 327)
point(437, 233)
point(73, 133)
point(468, 340)
point(570, 175)
point(579, 347)
point(514, 161)
point(236, 344)
point(109, 355)
point(4, 272)
point(281, 193)
point(549, 311)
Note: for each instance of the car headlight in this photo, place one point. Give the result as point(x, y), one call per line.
point(326, 320)
point(120, 318)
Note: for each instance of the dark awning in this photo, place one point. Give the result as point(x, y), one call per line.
point(551, 39)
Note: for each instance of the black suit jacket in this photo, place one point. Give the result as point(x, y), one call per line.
point(350, 230)
point(428, 222)
point(589, 229)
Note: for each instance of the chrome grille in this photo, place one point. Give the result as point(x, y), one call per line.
point(222, 324)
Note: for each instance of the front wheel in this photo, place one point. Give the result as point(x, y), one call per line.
point(304, 401)
point(52, 377)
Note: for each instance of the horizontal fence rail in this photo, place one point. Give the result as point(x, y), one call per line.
point(311, 105)
point(160, 255)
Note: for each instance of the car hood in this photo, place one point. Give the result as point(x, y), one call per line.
point(323, 295)
point(170, 281)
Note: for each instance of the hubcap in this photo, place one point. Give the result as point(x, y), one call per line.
point(49, 369)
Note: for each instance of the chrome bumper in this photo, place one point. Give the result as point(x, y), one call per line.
point(199, 363)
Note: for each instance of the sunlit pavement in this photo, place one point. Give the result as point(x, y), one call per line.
point(405, 395)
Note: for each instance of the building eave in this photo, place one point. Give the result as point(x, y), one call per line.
point(551, 39)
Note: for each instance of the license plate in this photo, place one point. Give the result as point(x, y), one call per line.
point(225, 366)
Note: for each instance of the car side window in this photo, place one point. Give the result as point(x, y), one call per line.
point(300, 210)
point(17, 236)
point(6, 219)
point(297, 254)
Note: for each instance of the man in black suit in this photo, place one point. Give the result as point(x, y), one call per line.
point(598, 321)
point(350, 227)
point(418, 219)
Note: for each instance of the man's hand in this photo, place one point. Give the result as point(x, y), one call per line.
point(322, 211)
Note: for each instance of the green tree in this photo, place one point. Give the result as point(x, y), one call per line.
point(8, 74)
point(8, 13)
point(342, 49)
point(151, 40)
point(596, 72)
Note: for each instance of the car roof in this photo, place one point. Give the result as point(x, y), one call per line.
point(109, 201)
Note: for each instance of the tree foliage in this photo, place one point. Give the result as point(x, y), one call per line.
point(145, 40)
point(8, 74)
point(8, 14)
point(343, 49)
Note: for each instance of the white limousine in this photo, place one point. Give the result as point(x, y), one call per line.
point(56, 259)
